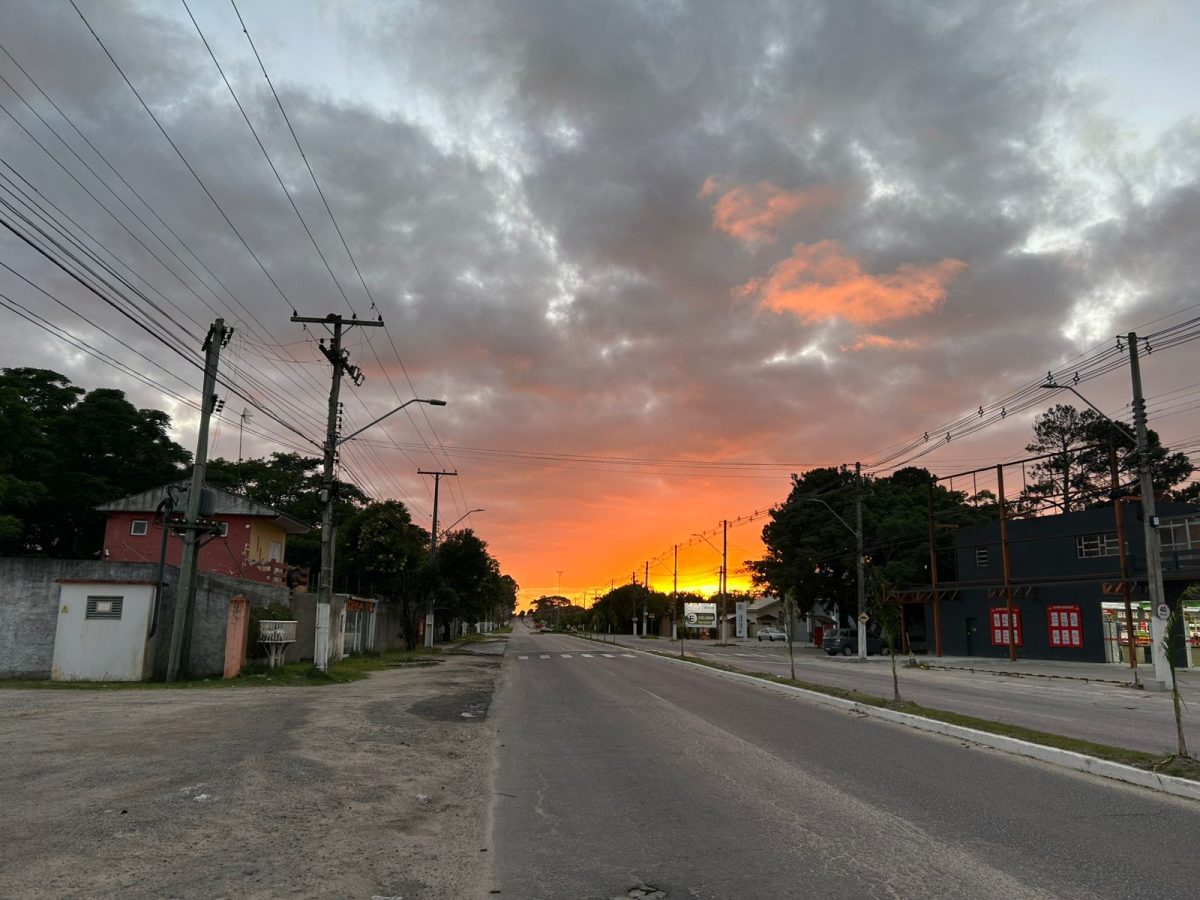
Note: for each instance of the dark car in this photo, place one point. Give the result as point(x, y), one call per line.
point(845, 642)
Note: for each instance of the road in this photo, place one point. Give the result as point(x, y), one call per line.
point(615, 768)
point(1095, 711)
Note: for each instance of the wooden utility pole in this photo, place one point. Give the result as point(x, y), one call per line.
point(338, 360)
point(192, 526)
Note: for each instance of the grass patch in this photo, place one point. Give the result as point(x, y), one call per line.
point(504, 629)
point(485, 636)
point(254, 674)
point(1179, 767)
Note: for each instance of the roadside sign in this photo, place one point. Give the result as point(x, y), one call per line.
point(700, 615)
point(1163, 611)
point(864, 618)
point(741, 618)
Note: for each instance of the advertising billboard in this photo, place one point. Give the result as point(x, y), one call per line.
point(700, 615)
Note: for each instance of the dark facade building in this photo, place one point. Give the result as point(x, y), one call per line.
point(1067, 593)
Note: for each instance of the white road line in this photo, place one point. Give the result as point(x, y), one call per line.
point(629, 656)
point(545, 656)
point(565, 655)
point(586, 655)
point(608, 656)
point(522, 657)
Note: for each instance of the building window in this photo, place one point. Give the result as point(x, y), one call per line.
point(981, 557)
point(1066, 626)
point(139, 526)
point(1089, 546)
point(224, 532)
point(104, 607)
point(1182, 533)
point(1000, 627)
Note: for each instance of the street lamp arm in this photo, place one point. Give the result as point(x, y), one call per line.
point(450, 527)
point(1066, 387)
point(355, 434)
point(833, 511)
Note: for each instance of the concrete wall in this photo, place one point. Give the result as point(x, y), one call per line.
point(29, 600)
point(29, 603)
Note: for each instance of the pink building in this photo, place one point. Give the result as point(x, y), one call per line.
point(252, 543)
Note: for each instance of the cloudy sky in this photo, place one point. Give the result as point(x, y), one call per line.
point(656, 255)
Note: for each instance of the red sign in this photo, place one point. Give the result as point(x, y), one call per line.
point(1066, 626)
point(1000, 627)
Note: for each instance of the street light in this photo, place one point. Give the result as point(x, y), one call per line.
point(861, 587)
point(722, 583)
point(325, 585)
point(1154, 577)
point(445, 531)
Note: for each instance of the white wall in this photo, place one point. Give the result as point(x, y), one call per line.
point(103, 649)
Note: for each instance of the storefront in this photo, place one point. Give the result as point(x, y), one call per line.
point(1116, 635)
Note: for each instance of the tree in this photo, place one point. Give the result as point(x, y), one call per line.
point(469, 577)
point(389, 556)
point(63, 452)
point(1073, 478)
point(811, 552)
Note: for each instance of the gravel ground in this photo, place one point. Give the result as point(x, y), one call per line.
point(377, 788)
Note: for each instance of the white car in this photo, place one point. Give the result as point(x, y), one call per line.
point(771, 634)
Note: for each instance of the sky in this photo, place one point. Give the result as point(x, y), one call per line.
point(656, 256)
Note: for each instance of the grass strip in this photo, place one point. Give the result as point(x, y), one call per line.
point(1179, 767)
point(254, 674)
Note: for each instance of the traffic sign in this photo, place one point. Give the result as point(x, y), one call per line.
point(1163, 611)
point(864, 618)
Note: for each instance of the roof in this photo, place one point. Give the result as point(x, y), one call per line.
point(227, 504)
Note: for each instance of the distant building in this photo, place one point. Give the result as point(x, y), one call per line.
point(252, 542)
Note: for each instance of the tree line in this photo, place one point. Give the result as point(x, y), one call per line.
point(64, 451)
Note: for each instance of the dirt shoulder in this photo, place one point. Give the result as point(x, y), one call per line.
point(377, 788)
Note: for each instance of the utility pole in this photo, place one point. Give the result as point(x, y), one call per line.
point(675, 601)
point(241, 424)
point(1154, 577)
point(338, 360)
point(185, 590)
point(858, 535)
point(646, 600)
point(1006, 567)
point(724, 576)
point(437, 480)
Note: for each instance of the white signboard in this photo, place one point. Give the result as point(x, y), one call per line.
point(700, 615)
point(741, 618)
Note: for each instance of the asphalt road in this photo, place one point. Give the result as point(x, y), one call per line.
point(1096, 711)
point(620, 768)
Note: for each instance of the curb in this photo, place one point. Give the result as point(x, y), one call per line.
point(1067, 759)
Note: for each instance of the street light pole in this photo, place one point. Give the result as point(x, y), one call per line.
point(857, 531)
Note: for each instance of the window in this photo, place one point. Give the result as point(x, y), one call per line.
point(104, 607)
point(139, 526)
point(999, 629)
point(1089, 546)
point(981, 557)
point(1182, 533)
point(224, 532)
point(1066, 628)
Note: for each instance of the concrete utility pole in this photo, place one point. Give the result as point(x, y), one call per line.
point(1006, 566)
point(858, 536)
point(675, 598)
point(437, 480)
point(724, 577)
point(1154, 576)
point(646, 601)
point(338, 359)
point(185, 590)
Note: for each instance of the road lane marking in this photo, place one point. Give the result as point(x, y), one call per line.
point(565, 655)
point(586, 655)
point(608, 656)
point(545, 656)
point(522, 657)
point(629, 656)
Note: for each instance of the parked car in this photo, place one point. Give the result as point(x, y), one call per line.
point(845, 642)
point(771, 634)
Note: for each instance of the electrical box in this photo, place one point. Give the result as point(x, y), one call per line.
point(103, 632)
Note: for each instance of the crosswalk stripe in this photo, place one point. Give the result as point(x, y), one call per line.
point(586, 655)
point(522, 657)
point(545, 656)
point(565, 655)
point(608, 656)
point(627, 655)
